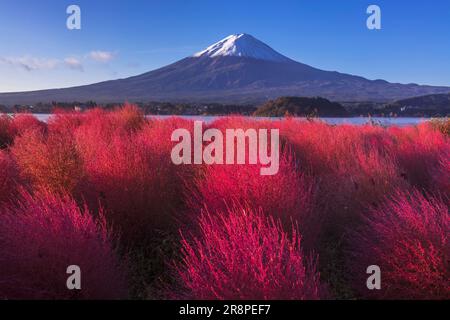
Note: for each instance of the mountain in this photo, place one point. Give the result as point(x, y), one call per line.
point(237, 69)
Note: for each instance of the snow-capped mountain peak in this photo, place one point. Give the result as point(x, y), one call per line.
point(242, 45)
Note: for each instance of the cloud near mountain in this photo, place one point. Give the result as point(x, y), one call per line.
point(30, 63)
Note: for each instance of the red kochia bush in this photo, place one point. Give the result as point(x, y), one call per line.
point(286, 195)
point(6, 133)
point(41, 236)
point(65, 122)
point(354, 166)
point(9, 177)
point(408, 239)
point(10, 127)
point(129, 117)
point(241, 254)
point(50, 161)
point(131, 173)
point(419, 152)
point(22, 122)
point(441, 177)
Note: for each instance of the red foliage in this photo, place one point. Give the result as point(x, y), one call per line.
point(353, 166)
point(287, 195)
point(241, 254)
point(10, 127)
point(6, 132)
point(105, 124)
point(408, 239)
point(129, 117)
point(64, 122)
point(328, 177)
point(419, 153)
point(23, 122)
point(9, 177)
point(441, 176)
point(131, 174)
point(41, 236)
point(50, 161)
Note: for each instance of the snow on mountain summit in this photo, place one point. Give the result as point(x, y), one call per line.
point(242, 45)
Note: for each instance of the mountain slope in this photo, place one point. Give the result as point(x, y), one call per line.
point(239, 69)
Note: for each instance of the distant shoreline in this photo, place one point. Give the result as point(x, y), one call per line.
point(383, 121)
point(420, 107)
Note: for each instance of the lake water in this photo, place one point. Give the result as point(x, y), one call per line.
point(353, 120)
point(349, 120)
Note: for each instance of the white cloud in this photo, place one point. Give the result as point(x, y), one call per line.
point(31, 63)
point(101, 56)
point(74, 63)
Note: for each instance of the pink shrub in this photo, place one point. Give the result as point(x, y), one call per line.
point(65, 122)
point(287, 195)
point(50, 161)
point(9, 177)
point(10, 127)
point(441, 177)
point(419, 152)
point(407, 238)
point(23, 122)
point(131, 174)
point(354, 166)
point(6, 132)
point(128, 117)
point(101, 124)
point(98, 127)
point(41, 236)
point(241, 254)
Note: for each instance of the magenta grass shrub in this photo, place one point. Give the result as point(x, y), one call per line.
point(10, 127)
point(130, 173)
point(353, 166)
point(287, 196)
point(65, 122)
point(22, 122)
point(40, 236)
point(241, 254)
point(50, 161)
point(6, 132)
point(419, 153)
point(9, 177)
point(408, 237)
point(441, 177)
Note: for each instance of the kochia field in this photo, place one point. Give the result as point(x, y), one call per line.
point(99, 190)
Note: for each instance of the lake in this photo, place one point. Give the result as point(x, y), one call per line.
point(350, 120)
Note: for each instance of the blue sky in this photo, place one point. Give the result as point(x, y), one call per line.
point(123, 38)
